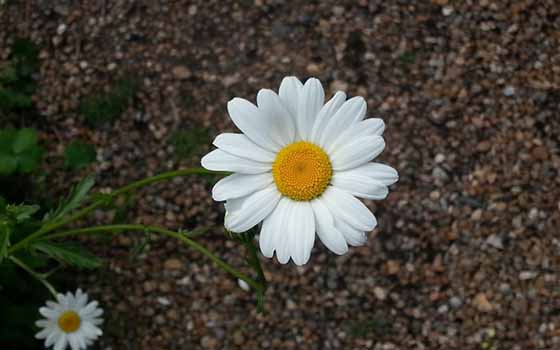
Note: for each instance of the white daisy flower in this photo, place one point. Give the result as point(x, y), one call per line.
point(71, 321)
point(298, 167)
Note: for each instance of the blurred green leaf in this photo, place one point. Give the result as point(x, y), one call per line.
point(71, 254)
point(8, 164)
point(8, 74)
point(7, 137)
point(21, 212)
point(25, 139)
point(19, 151)
point(107, 107)
point(4, 240)
point(30, 159)
point(74, 199)
point(78, 155)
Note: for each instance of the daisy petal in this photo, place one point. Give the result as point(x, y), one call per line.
point(73, 340)
point(61, 299)
point(240, 145)
point(349, 209)
point(325, 114)
point(357, 152)
point(310, 102)
point(44, 333)
point(282, 127)
point(271, 233)
point(91, 331)
point(239, 185)
point(48, 313)
point(247, 117)
point(302, 223)
point(82, 342)
point(42, 323)
point(297, 233)
point(53, 337)
point(359, 185)
point(254, 209)
point(353, 237)
point(61, 342)
point(327, 232)
point(352, 111)
point(380, 172)
point(90, 308)
point(289, 92)
point(218, 160)
point(368, 127)
point(81, 299)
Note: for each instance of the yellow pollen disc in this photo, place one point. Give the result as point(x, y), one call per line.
point(69, 321)
point(301, 171)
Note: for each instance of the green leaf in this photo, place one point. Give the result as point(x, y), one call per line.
point(30, 159)
point(25, 139)
point(8, 74)
point(69, 253)
point(21, 212)
point(8, 164)
point(7, 137)
point(4, 240)
point(78, 155)
point(74, 199)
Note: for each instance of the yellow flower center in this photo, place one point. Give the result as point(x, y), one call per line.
point(69, 321)
point(301, 171)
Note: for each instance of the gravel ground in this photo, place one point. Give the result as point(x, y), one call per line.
point(467, 254)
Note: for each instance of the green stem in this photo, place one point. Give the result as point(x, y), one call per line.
point(257, 285)
point(254, 261)
point(35, 274)
point(99, 203)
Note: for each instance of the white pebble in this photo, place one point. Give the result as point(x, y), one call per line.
point(61, 29)
point(447, 10)
point(509, 91)
point(243, 285)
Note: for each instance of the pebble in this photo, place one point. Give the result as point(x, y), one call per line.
point(495, 241)
point(482, 303)
point(440, 174)
point(61, 29)
point(173, 264)
point(163, 301)
point(208, 342)
point(380, 293)
point(181, 72)
point(527, 275)
point(447, 10)
point(455, 302)
point(440, 158)
point(243, 285)
point(509, 91)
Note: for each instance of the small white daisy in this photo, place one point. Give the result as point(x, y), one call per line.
point(71, 321)
point(298, 167)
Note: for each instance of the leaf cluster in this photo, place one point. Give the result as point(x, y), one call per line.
point(19, 151)
point(107, 107)
point(17, 84)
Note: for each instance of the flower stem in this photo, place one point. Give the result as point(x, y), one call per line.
point(253, 260)
point(35, 274)
point(99, 203)
point(257, 285)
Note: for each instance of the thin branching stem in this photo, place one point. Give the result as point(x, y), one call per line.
point(101, 202)
point(258, 286)
point(35, 274)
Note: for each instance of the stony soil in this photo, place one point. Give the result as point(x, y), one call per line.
point(467, 253)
